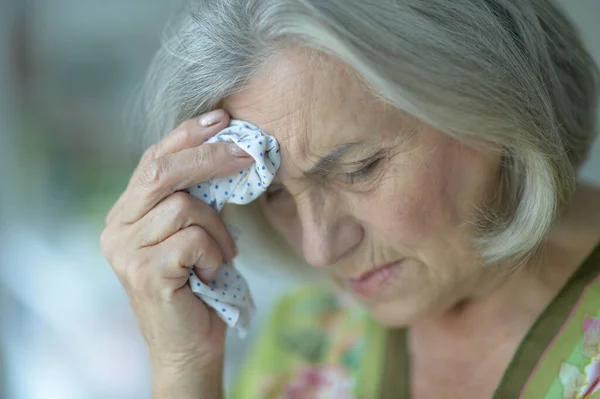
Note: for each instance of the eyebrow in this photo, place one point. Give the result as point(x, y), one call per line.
point(330, 161)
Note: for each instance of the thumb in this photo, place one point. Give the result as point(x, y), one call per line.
point(206, 273)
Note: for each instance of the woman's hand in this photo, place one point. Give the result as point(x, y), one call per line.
point(155, 232)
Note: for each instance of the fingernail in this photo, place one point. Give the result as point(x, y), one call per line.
point(236, 151)
point(212, 118)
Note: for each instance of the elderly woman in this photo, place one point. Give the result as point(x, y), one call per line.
point(430, 152)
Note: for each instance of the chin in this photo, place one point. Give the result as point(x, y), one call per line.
point(395, 315)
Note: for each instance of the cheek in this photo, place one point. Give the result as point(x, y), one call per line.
point(426, 197)
point(283, 218)
point(402, 209)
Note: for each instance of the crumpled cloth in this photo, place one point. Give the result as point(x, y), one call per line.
point(228, 293)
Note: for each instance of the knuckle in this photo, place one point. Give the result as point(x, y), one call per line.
point(150, 153)
point(152, 172)
point(204, 247)
point(204, 157)
point(180, 203)
point(185, 133)
point(198, 235)
point(185, 138)
point(135, 275)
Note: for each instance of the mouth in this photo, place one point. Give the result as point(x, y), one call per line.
point(375, 280)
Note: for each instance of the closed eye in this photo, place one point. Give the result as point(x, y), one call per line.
point(363, 172)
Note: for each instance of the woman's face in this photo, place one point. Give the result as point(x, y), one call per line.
point(378, 200)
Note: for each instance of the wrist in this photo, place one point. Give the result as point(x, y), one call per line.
point(177, 381)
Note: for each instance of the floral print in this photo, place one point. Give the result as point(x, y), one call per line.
point(319, 383)
point(591, 337)
point(579, 384)
point(326, 341)
point(582, 384)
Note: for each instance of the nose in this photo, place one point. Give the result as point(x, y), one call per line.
point(328, 233)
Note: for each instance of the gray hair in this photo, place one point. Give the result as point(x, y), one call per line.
point(510, 73)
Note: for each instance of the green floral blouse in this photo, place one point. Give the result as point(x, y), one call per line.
point(318, 345)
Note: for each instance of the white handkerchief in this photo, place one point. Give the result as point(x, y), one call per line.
point(228, 292)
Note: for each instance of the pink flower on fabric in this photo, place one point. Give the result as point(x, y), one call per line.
point(579, 384)
point(320, 383)
point(591, 337)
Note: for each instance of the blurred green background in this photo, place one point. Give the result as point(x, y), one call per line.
point(68, 70)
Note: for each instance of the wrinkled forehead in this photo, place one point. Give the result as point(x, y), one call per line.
point(310, 104)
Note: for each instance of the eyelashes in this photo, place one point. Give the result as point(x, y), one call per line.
point(364, 172)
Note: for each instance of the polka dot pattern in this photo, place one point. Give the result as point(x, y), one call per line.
point(250, 183)
point(228, 293)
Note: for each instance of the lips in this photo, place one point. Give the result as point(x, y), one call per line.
point(375, 280)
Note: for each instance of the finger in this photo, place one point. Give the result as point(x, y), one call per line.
point(114, 210)
point(205, 273)
point(176, 212)
point(191, 133)
point(184, 249)
point(164, 176)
